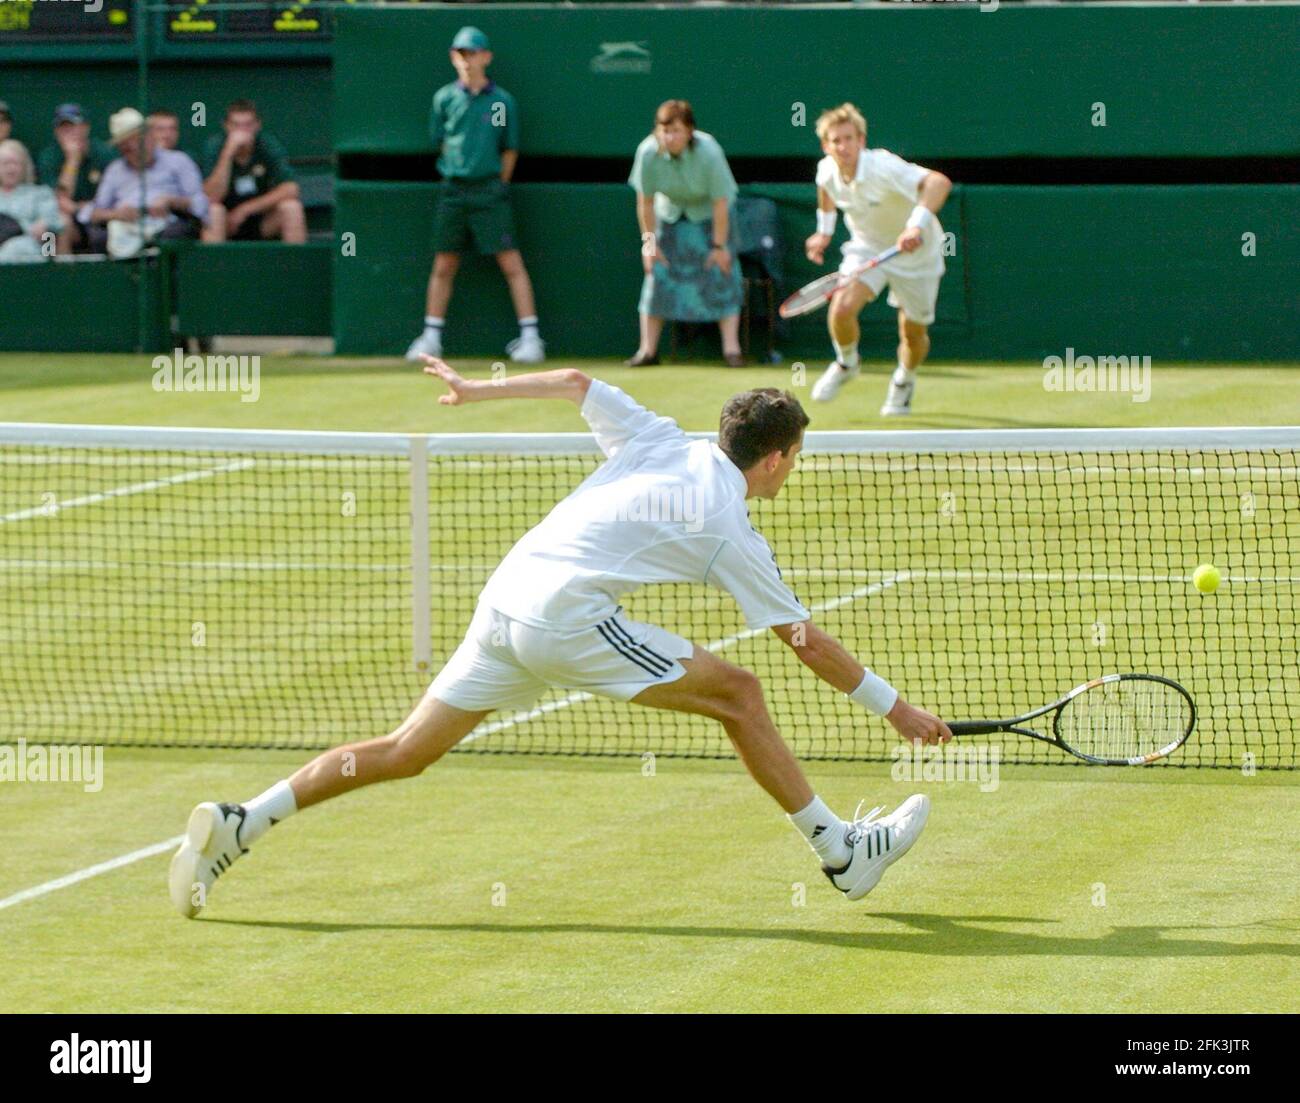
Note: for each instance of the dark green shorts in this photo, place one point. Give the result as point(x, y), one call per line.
point(474, 212)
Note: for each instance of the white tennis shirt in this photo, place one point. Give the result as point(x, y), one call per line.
point(662, 508)
point(876, 203)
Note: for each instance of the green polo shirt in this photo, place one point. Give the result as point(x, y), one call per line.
point(470, 129)
point(92, 167)
point(267, 167)
point(686, 184)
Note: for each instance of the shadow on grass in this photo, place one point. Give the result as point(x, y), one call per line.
point(939, 935)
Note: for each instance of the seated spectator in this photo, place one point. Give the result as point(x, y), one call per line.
point(6, 122)
point(249, 182)
point(173, 201)
point(165, 128)
point(73, 165)
point(28, 211)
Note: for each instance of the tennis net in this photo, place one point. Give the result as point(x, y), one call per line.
point(265, 589)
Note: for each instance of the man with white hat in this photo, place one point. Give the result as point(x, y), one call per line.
point(160, 189)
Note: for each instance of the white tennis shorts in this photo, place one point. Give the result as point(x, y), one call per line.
point(915, 296)
point(506, 664)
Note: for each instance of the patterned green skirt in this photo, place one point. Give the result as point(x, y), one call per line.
point(687, 291)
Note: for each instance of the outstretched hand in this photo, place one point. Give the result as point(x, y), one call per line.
point(457, 388)
point(916, 725)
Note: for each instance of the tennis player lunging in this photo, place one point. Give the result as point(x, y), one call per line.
point(550, 616)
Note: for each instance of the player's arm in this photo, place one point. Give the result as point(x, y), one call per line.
point(509, 158)
point(815, 247)
point(826, 657)
point(566, 383)
point(931, 194)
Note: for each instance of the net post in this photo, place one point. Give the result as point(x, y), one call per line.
point(421, 626)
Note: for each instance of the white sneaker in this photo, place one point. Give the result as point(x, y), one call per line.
point(527, 350)
point(898, 402)
point(211, 846)
point(832, 379)
point(427, 344)
point(877, 844)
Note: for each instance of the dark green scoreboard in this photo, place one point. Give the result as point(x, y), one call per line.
point(64, 21)
point(230, 21)
point(248, 20)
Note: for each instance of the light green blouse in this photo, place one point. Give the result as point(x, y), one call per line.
point(30, 203)
point(687, 184)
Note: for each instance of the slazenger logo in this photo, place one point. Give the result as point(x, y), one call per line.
point(622, 57)
point(90, 1056)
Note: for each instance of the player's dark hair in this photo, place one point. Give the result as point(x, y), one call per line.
point(239, 106)
point(757, 423)
point(163, 113)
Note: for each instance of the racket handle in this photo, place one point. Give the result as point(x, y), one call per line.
point(974, 727)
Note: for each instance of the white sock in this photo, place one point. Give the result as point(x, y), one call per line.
point(433, 326)
point(528, 327)
point(824, 831)
point(264, 812)
point(902, 374)
point(847, 355)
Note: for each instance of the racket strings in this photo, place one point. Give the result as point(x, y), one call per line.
point(1126, 719)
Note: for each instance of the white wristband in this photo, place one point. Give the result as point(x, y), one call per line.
point(826, 221)
point(874, 694)
point(920, 218)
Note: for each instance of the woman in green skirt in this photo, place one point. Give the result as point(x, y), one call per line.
point(684, 191)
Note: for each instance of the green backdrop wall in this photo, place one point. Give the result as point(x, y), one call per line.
point(936, 80)
point(1154, 271)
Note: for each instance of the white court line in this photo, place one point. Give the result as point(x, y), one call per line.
point(123, 491)
point(88, 872)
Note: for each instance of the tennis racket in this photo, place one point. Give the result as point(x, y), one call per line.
point(813, 296)
point(1118, 720)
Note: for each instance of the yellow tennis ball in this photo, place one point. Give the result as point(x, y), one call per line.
point(1206, 578)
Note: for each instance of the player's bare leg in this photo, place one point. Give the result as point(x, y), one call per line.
point(529, 348)
point(845, 332)
point(855, 854)
point(218, 834)
point(432, 729)
point(733, 696)
point(913, 347)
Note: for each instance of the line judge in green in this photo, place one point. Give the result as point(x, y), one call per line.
point(475, 127)
point(684, 196)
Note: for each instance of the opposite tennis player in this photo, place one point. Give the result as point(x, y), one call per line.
point(886, 201)
point(550, 616)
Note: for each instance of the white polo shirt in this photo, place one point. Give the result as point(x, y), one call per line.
point(662, 508)
point(876, 203)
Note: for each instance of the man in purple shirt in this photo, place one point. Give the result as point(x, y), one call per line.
point(172, 198)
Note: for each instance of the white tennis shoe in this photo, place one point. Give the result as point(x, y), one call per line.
point(527, 350)
point(832, 379)
point(898, 402)
point(878, 844)
point(210, 847)
point(427, 344)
